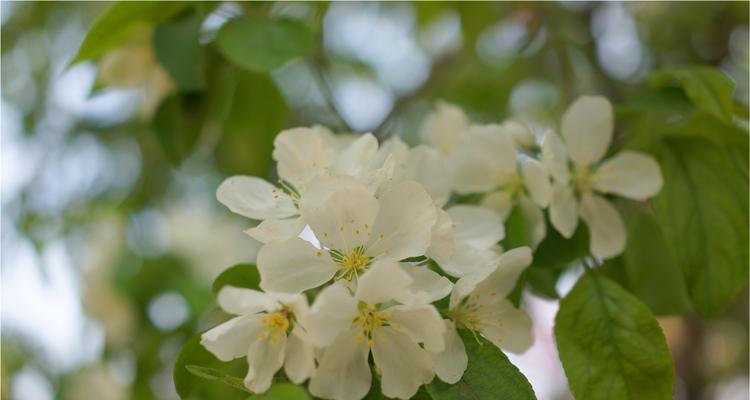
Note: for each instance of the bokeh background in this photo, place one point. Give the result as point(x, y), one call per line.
point(111, 234)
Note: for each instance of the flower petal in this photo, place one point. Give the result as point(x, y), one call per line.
point(405, 366)
point(254, 198)
point(384, 281)
point(239, 301)
point(403, 227)
point(477, 226)
point(555, 157)
point(442, 242)
point(468, 259)
point(563, 210)
point(520, 134)
point(276, 229)
point(536, 180)
point(332, 312)
point(630, 174)
point(606, 228)
point(299, 359)
point(512, 328)
point(587, 128)
point(422, 323)
point(499, 279)
point(534, 221)
point(343, 372)
point(501, 202)
point(232, 339)
point(426, 287)
point(343, 221)
point(486, 160)
point(427, 167)
point(450, 364)
point(355, 159)
point(264, 358)
point(445, 128)
point(301, 153)
point(293, 266)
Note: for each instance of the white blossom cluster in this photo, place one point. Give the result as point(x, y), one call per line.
point(383, 232)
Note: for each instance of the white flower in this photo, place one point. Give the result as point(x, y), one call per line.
point(587, 127)
point(355, 230)
point(302, 154)
point(445, 128)
point(464, 239)
point(268, 331)
point(350, 327)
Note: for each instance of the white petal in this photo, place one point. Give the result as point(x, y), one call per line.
point(264, 358)
point(426, 166)
point(393, 147)
point(422, 323)
point(426, 287)
point(355, 159)
point(445, 128)
point(534, 221)
point(606, 228)
point(403, 227)
point(536, 180)
point(301, 153)
point(501, 202)
point(555, 157)
point(384, 281)
point(293, 266)
point(299, 360)
point(276, 229)
point(587, 128)
point(511, 330)
point(563, 209)
point(344, 220)
point(332, 312)
point(486, 160)
point(232, 339)
point(468, 259)
point(630, 174)
point(521, 135)
point(450, 363)
point(499, 279)
point(442, 242)
point(323, 186)
point(239, 301)
point(477, 226)
point(254, 198)
point(405, 366)
point(343, 372)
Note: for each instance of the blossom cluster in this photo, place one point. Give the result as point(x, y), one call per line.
point(375, 236)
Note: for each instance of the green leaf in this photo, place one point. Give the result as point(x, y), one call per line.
point(178, 124)
point(178, 49)
point(262, 45)
point(516, 231)
point(240, 275)
point(114, 26)
point(555, 250)
point(490, 375)
point(220, 378)
point(610, 345)
point(283, 391)
point(707, 87)
point(703, 212)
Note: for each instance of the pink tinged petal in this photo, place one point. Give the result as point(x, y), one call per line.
point(555, 157)
point(606, 228)
point(403, 227)
point(293, 266)
point(264, 358)
point(345, 220)
point(332, 313)
point(276, 229)
point(563, 210)
point(450, 364)
point(232, 339)
point(301, 154)
point(404, 365)
point(239, 301)
point(537, 183)
point(255, 198)
point(629, 174)
point(384, 281)
point(587, 128)
point(343, 372)
point(422, 324)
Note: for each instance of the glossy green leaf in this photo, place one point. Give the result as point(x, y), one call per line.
point(240, 275)
point(262, 45)
point(707, 87)
point(214, 374)
point(177, 47)
point(220, 380)
point(178, 124)
point(117, 22)
point(610, 344)
point(489, 375)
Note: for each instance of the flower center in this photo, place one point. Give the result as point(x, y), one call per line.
point(276, 325)
point(582, 179)
point(369, 321)
point(474, 315)
point(350, 264)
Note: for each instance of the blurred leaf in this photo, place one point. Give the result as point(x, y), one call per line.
point(703, 212)
point(188, 387)
point(489, 375)
point(240, 275)
point(178, 124)
point(669, 99)
point(516, 232)
point(116, 23)
point(707, 87)
point(283, 391)
point(555, 250)
point(261, 44)
point(543, 281)
point(610, 345)
point(178, 49)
